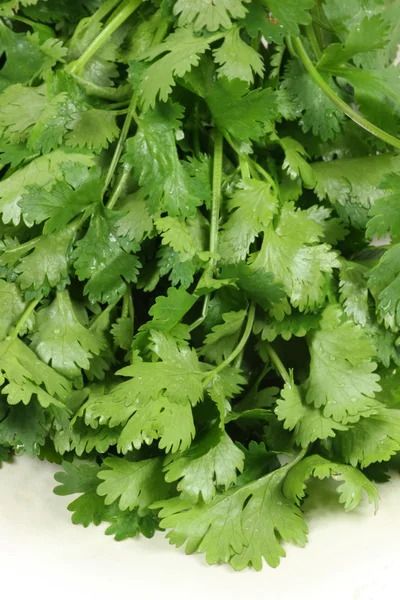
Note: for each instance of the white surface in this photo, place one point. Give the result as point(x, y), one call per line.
point(350, 556)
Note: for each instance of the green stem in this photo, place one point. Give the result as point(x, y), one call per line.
point(289, 46)
point(244, 167)
point(312, 38)
point(264, 174)
point(119, 187)
point(204, 311)
point(278, 364)
point(117, 19)
point(107, 93)
point(104, 10)
point(214, 219)
point(120, 145)
point(337, 101)
point(125, 304)
point(25, 246)
point(246, 334)
point(27, 313)
point(216, 192)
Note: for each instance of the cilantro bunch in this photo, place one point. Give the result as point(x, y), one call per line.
point(196, 317)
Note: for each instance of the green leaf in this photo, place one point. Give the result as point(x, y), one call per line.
point(212, 461)
point(135, 484)
point(60, 339)
point(81, 478)
point(296, 324)
point(26, 376)
point(168, 311)
point(371, 440)
point(291, 13)
point(309, 423)
point(135, 222)
point(350, 491)
point(42, 171)
point(384, 283)
point(47, 266)
point(257, 285)
point(104, 259)
point(370, 34)
point(27, 58)
point(65, 200)
point(127, 524)
point(295, 161)
point(260, 517)
point(237, 59)
point(181, 52)
point(20, 108)
point(93, 128)
point(384, 213)
point(354, 182)
point(319, 114)
point(175, 233)
point(166, 182)
point(224, 337)
point(12, 307)
point(241, 113)
point(342, 378)
point(290, 251)
point(252, 207)
point(202, 13)
point(353, 286)
point(24, 429)
point(258, 20)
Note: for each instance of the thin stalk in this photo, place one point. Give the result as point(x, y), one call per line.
point(27, 313)
point(214, 219)
point(107, 93)
point(289, 46)
point(104, 10)
point(278, 364)
point(244, 167)
point(196, 132)
point(264, 174)
point(237, 350)
point(312, 38)
point(216, 192)
point(25, 246)
point(119, 187)
point(116, 20)
point(125, 304)
point(122, 138)
point(204, 311)
point(337, 101)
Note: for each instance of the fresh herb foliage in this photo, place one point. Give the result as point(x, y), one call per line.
point(191, 194)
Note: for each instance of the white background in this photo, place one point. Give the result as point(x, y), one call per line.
point(350, 556)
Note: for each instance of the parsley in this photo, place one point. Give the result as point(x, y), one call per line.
point(191, 197)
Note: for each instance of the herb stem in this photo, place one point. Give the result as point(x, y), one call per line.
point(312, 38)
point(214, 219)
point(119, 16)
point(25, 246)
point(119, 187)
point(122, 139)
point(244, 167)
point(237, 350)
point(216, 193)
point(278, 364)
point(25, 316)
point(107, 93)
point(104, 10)
point(341, 104)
